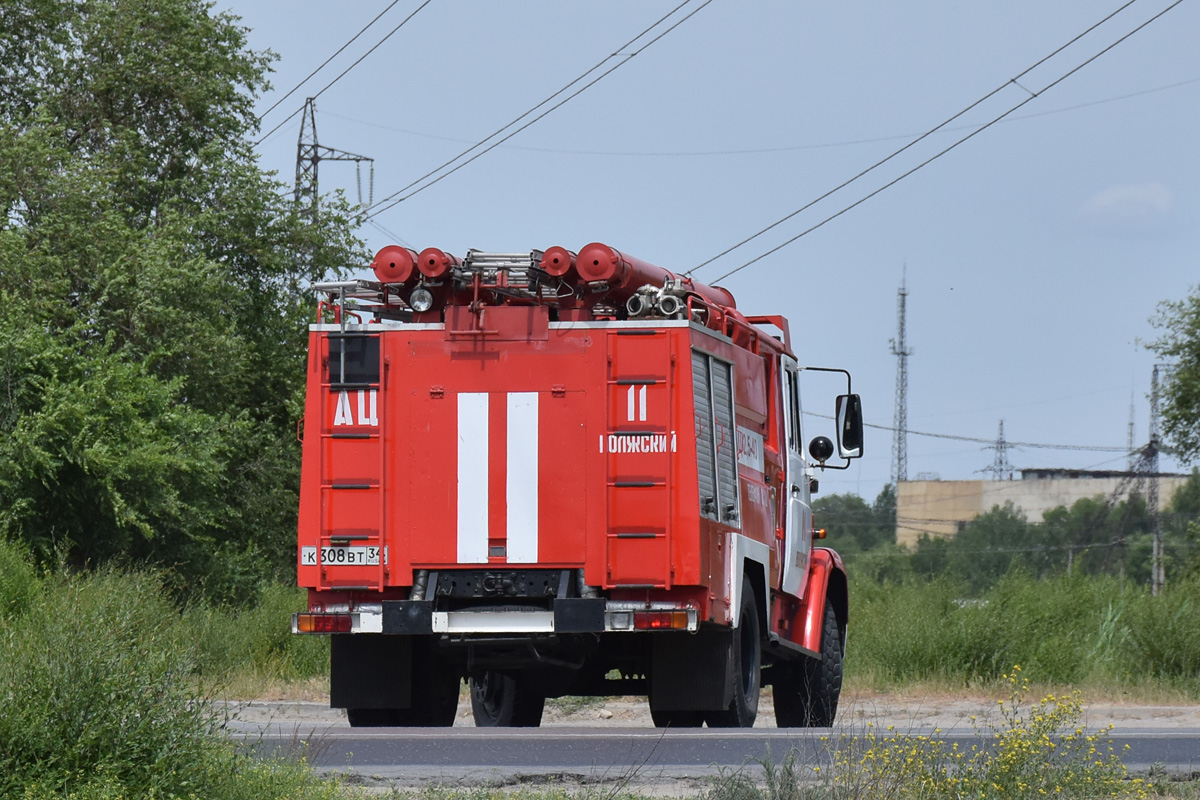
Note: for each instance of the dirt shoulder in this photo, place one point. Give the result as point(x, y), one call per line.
point(905, 712)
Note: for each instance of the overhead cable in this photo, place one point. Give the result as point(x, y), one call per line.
point(326, 61)
point(757, 150)
point(347, 69)
point(975, 132)
point(399, 196)
point(953, 437)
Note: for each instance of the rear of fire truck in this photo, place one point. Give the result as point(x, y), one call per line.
point(557, 473)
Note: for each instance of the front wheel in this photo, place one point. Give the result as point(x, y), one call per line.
point(806, 691)
point(502, 701)
point(745, 673)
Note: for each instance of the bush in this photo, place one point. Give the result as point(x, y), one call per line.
point(97, 700)
point(1033, 749)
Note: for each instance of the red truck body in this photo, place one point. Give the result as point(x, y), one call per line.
point(510, 478)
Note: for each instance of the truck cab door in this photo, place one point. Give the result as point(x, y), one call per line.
point(798, 510)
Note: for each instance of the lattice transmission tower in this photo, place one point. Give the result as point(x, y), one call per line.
point(1001, 469)
point(902, 351)
point(309, 155)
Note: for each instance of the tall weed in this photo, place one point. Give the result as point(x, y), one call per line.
point(18, 579)
point(257, 640)
point(1070, 630)
point(98, 700)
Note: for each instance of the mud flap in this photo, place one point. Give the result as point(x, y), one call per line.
point(690, 672)
point(370, 671)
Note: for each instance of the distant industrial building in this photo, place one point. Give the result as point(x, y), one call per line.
point(942, 508)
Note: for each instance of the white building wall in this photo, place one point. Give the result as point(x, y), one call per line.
point(940, 508)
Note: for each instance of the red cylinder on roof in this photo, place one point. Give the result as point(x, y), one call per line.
point(557, 261)
point(625, 275)
point(434, 263)
point(394, 264)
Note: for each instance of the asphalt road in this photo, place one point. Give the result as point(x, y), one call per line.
point(407, 756)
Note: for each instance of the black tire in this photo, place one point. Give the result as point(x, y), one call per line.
point(502, 701)
point(677, 718)
point(746, 669)
point(374, 717)
point(806, 691)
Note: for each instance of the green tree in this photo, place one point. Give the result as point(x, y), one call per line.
point(855, 526)
point(153, 335)
point(1181, 529)
point(1179, 343)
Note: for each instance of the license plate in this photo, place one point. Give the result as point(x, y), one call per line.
point(350, 556)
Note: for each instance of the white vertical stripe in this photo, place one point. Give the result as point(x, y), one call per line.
point(472, 478)
point(642, 405)
point(522, 479)
point(629, 400)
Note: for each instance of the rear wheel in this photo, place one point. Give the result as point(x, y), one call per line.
point(374, 717)
point(677, 718)
point(745, 673)
point(806, 691)
point(502, 701)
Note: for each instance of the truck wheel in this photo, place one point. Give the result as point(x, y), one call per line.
point(502, 701)
point(374, 717)
point(677, 718)
point(806, 691)
point(745, 672)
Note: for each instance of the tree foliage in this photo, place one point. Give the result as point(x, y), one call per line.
point(1179, 344)
point(152, 340)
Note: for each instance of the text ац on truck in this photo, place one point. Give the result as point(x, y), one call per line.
point(557, 473)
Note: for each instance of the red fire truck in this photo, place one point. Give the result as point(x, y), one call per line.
point(564, 473)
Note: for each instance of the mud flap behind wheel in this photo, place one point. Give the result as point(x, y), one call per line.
point(690, 672)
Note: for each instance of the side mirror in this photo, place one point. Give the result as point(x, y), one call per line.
point(849, 426)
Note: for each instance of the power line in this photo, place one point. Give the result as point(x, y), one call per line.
point(978, 130)
point(326, 61)
point(346, 70)
point(400, 197)
point(953, 437)
point(754, 150)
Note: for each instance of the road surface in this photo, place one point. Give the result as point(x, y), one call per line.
point(614, 742)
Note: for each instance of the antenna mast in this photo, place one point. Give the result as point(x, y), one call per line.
point(901, 350)
point(1131, 440)
point(1157, 573)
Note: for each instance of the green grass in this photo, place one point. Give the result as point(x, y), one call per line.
point(104, 678)
point(239, 649)
point(100, 699)
point(1083, 632)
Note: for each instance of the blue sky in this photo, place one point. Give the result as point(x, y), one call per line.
point(1035, 252)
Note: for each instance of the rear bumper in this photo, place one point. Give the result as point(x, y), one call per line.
point(567, 615)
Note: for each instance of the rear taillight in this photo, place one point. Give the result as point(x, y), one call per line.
point(322, 623)
point(660, 620)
